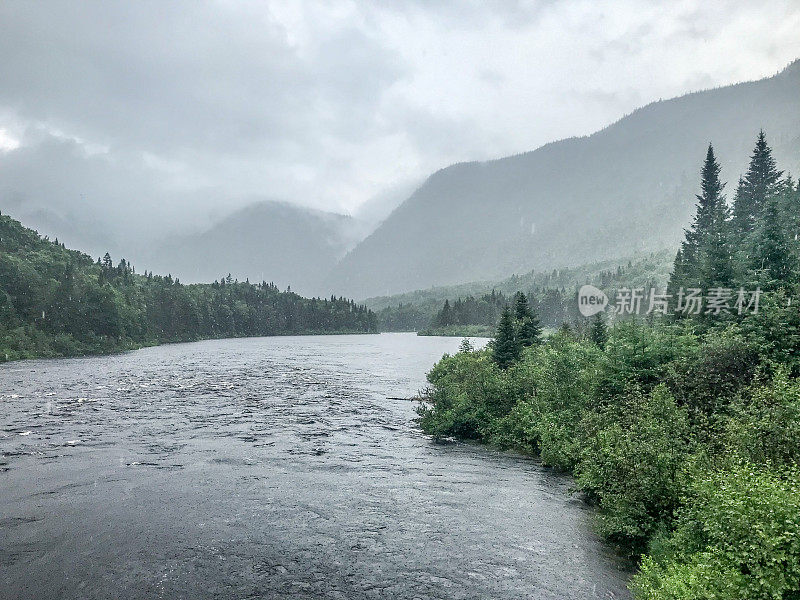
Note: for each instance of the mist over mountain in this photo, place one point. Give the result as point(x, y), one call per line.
point(625, 189)
point(273, 241)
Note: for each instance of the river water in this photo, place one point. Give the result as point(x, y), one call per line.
point(286, 467)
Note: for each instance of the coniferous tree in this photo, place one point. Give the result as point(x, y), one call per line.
point(506, 347)
point(446, 316)
point(704, 258)
point(680, 272)
point(598, 333)
point(790, 207)
point(774, 258)
point(715, 267)
point(522, 309)
point(529, 328)
point(530, 332)
point(759, 184)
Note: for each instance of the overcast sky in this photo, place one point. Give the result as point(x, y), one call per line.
point(168, 112)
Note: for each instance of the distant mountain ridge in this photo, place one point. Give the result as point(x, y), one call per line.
point(625, 189)
point(270, 240)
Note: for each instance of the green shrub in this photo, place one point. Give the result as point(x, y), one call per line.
point(467, 392)
point(555, 385)
point(737, 537)
point(765, 427)
point(633, 464)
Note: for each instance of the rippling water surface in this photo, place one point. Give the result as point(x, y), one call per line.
point(271, 468)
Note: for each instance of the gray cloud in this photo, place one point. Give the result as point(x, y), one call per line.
point(150, 116)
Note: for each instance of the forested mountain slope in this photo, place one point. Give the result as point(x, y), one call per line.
point(59, 302)
point(626, 189)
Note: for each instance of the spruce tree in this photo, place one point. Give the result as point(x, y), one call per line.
point(704, 258)
point(445, 315)
point(530, 331)
point(759, 184)
point(679, 276)
point(598, 333)
point(790, 207)
point(506, 348)
point(774, 257)
point(522, 310)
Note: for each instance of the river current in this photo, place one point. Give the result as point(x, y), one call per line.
point(286, 467)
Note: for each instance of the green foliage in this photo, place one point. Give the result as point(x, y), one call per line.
point(765, 427)
point(705, 254)
point(738, 537)
point(529, 329)
point(460, 331)
point(707, 377)
point(759, 184)
point(632, 463)
point(755, 246)
point(640, 422)
point(685, 433)
point(550, 294)
point(467, 392)
point(58, 302)
point(555, 385)
point(598, 333)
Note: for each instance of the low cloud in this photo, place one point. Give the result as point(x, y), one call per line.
point(137, 119)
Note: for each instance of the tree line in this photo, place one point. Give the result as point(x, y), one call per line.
point(751, 244)
point(59, 302)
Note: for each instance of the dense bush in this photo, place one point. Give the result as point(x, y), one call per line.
point(554, 383)
point(633, 460)
point(737, 537)
point(639, 448)
point(765, 427)
point(468, 391)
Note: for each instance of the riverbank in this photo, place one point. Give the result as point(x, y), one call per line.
point(485, 331)
point(663, 429)
point(42, 347)
point(56, 302)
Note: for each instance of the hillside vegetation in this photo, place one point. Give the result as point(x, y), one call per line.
point(681, 428)
point(552, 293)
point(59, 302)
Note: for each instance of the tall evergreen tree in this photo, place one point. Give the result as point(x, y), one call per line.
point(774, 255)
point(522, 309)
point(530, 331)
point(529, 328)
point(790, 207)
point(598, 333)
point(759, 184)
point(506, 348)
point(446, 314)
point(704, 258)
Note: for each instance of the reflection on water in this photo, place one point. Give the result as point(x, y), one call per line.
point(271, 467)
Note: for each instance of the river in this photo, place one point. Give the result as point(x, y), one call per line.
point(286, 467)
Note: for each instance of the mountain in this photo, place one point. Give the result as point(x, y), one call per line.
point(626, 189)
point(267, 241)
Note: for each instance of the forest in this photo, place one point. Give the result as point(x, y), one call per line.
point(681, 427)
point(60, 302)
